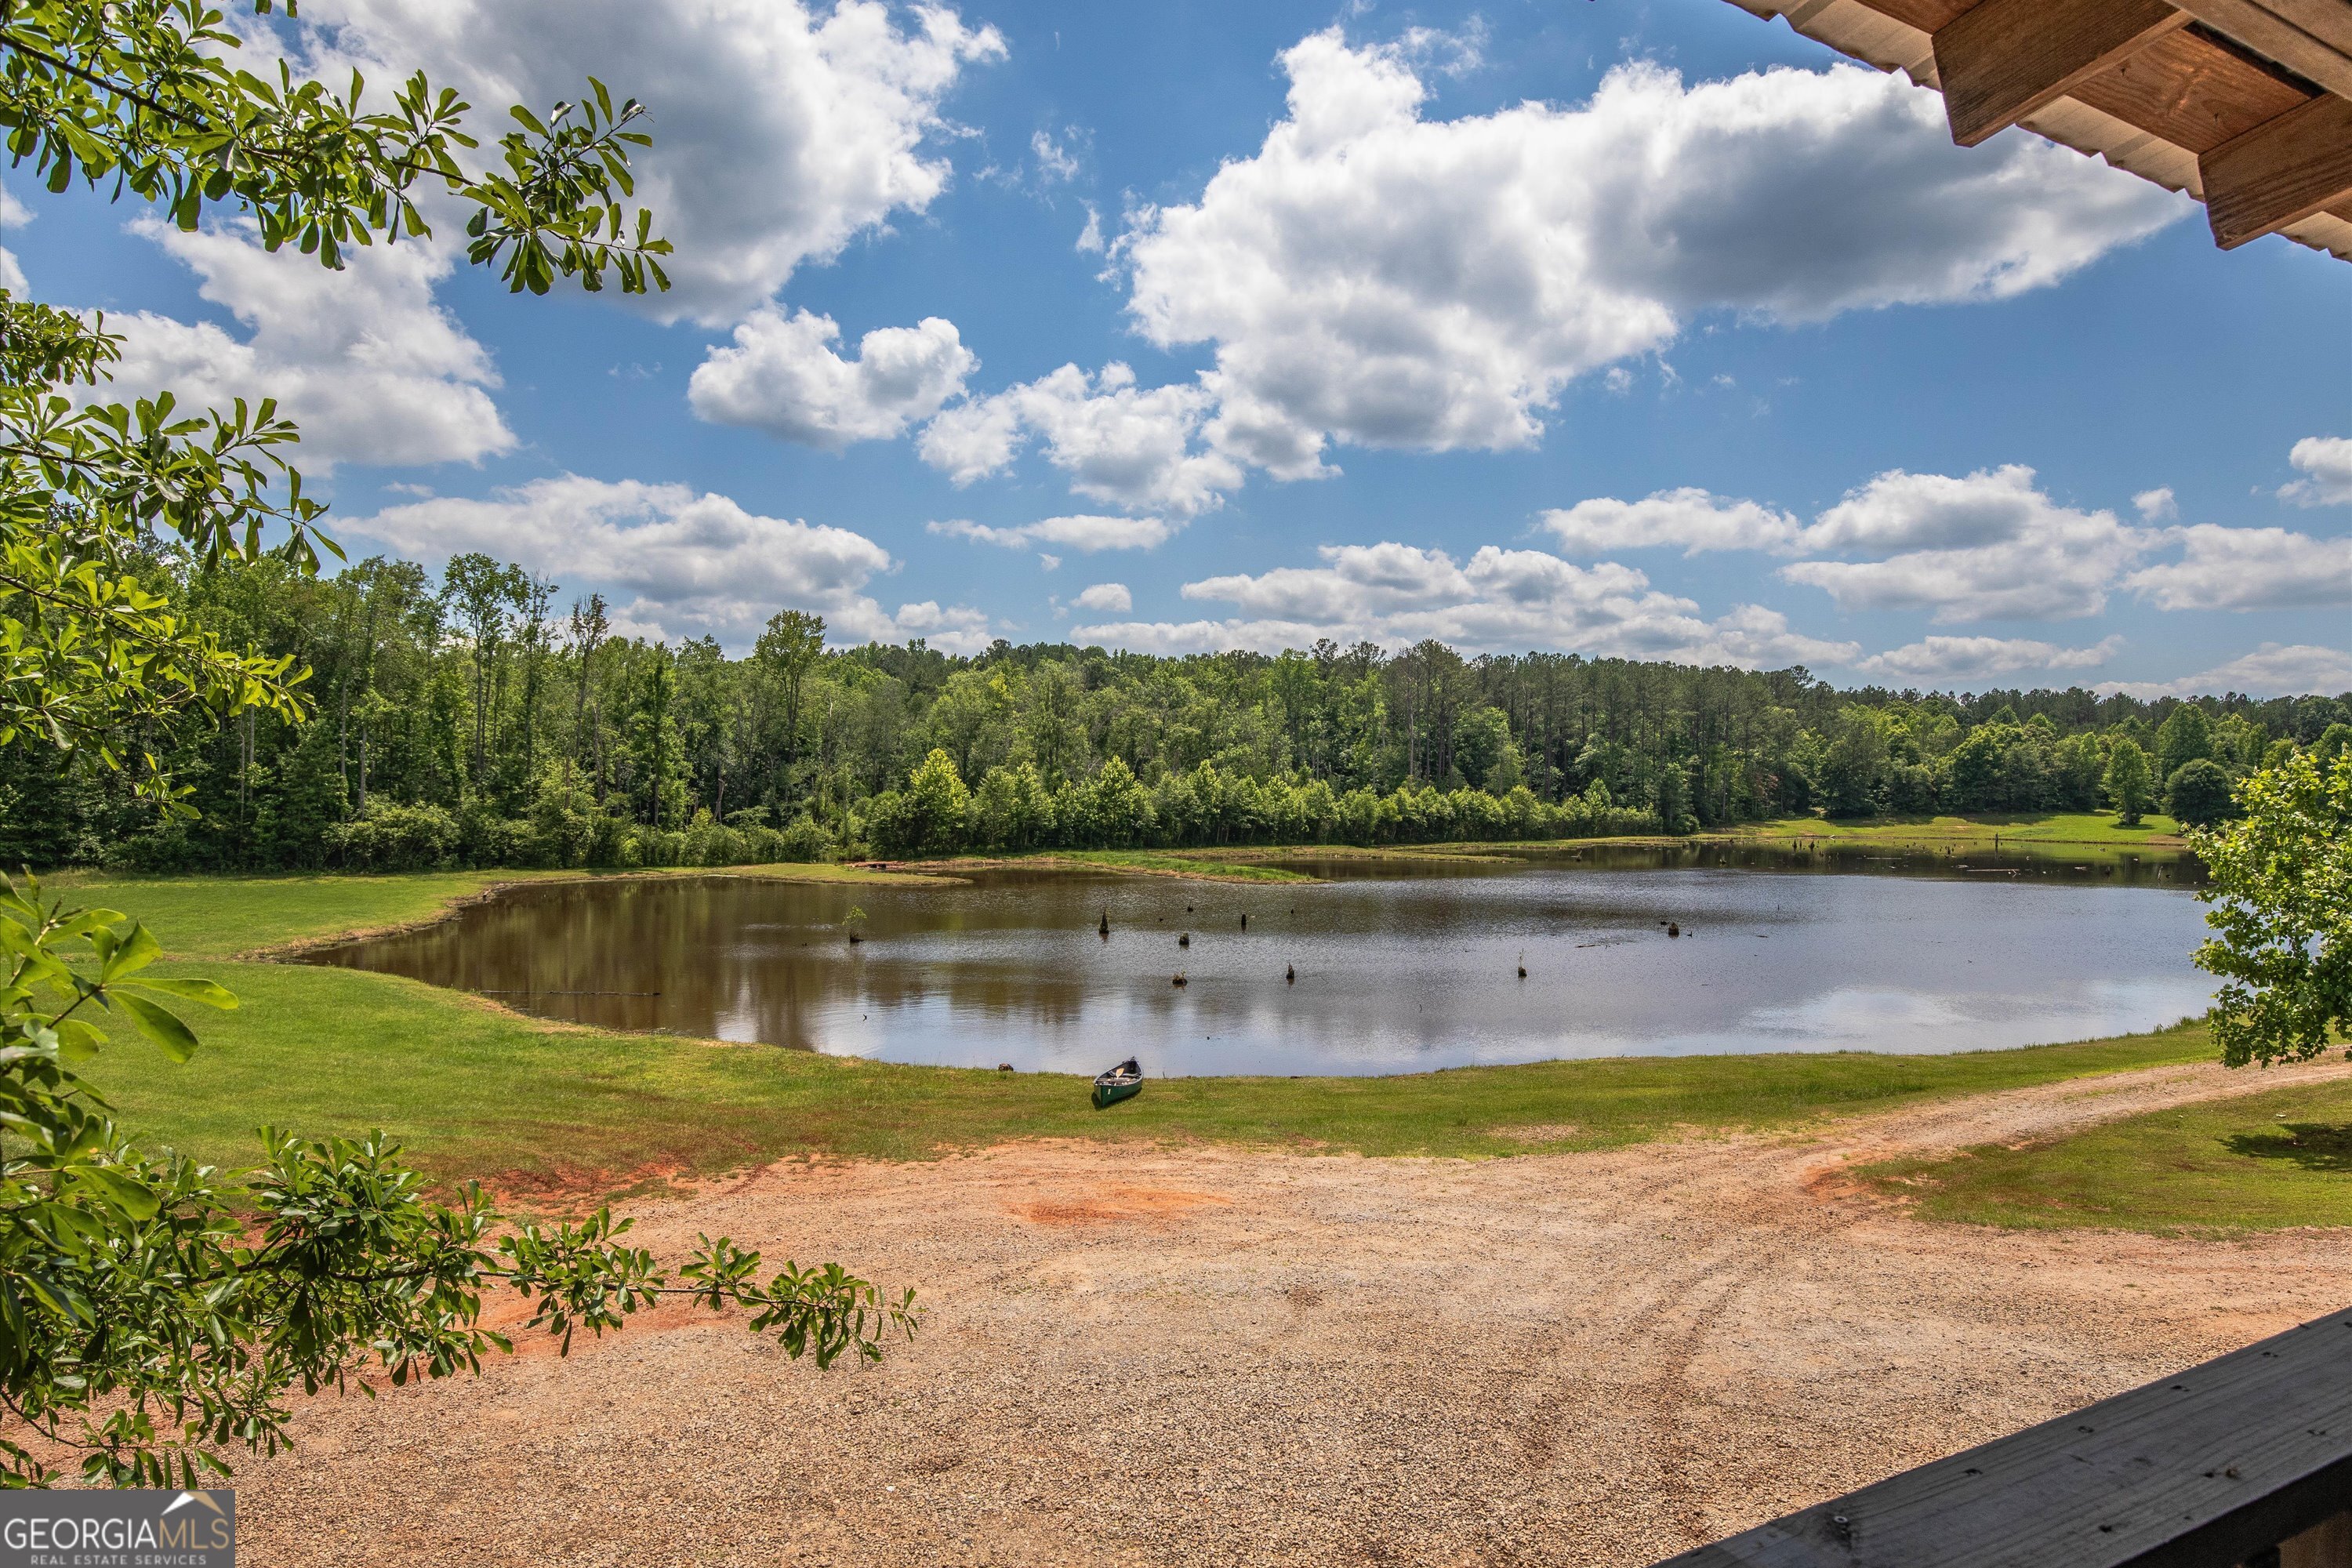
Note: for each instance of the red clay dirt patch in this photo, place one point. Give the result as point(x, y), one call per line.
point(507, 1314)
point(1109, 1204)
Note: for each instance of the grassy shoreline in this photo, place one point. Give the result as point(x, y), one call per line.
point(281, 915)
point(2261, 1162)
point(2024, 834)
point(478, 1091)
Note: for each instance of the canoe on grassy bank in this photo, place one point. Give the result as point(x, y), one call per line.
point(1124, 1081)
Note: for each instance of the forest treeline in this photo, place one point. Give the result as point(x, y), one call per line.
point(473, 719)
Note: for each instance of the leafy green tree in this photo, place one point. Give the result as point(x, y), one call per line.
point(789, 649)
point(1011, 809)
point(153, 1314)
point(938, 808)
point(1853, 767)
point(2280, 892)
point(1973, 771)
point(2186, 736)
point(656, 750)
point(142, 95)
point(1052, 726)
point(485, 595)
point(1481, 736)
point(2198, 794)
point(2130, 788)
point(2075, 767)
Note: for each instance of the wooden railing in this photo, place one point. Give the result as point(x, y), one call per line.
point(2246, 1459)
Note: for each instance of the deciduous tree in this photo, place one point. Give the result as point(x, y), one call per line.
point(2131, 789)
point(154, 1315)
point(2280, 892)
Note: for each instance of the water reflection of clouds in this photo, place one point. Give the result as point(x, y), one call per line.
point(1394, 974)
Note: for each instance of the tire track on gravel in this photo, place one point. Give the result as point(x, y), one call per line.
point(1594, 1358)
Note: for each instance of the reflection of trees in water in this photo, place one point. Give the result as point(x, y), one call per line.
point(1393, 958)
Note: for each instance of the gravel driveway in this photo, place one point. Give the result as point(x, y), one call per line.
point(1216, 1356)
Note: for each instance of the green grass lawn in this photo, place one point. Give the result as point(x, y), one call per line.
point(477, 1092)
point(219, 917)
point(2071, 829)
point(1205, 865)
point(2281, 1158)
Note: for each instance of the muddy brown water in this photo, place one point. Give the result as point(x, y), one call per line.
point(1399, 966)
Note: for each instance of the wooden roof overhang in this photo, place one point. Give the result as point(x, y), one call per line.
point(2245, 104)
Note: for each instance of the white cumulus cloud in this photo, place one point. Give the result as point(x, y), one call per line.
point(1498, 599)
point(780, 130)
point(1689, 520)
point(2326, 462)
point(1376, 276)
point(1942, 658)
point(696, 563)
point(1055, 162)
point(1082, 533)
point(1118, 442)
point(784, 376)
point(13, 215)
point(1105, 598)
point(2274, 670)
point(364, 360)
point(1986, 546)
point(2248, 569)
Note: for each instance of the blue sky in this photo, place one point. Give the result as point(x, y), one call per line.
point(1474, 286)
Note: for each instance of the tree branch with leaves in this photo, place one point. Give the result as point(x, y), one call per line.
point(156, 1314)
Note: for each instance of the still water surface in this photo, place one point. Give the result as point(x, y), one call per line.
point(1399, 966)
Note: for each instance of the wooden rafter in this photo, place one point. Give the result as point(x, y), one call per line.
point(2280, 171)
point(2001, 60)
point(2244, 103)
point(2193, 90)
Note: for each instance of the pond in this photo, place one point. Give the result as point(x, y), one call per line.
point(1400, 964)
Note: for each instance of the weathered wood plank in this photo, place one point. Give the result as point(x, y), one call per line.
point(2202, 1469)
point(2191, 89)
point(1924, 15)
point(2264, 30)
point(2001, 60)
point(2282, 170)
point(2330, 21)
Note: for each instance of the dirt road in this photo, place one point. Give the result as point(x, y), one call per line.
point(1209, 1357)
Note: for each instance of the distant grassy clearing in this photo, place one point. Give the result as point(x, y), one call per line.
point(1199, 865)
point(2080, 829)
point(219, 917)
point(2262, 1162)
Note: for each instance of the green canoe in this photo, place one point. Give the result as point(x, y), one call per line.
point(1124, 1081)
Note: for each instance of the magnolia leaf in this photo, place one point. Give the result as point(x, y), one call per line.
point(126, 1193)
point(135, 953)
point(78, 1041)
point(162, 1027)
point(212, 994)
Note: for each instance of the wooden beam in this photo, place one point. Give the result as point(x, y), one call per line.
point(2262, 27)
point(2001, 60)
point(2280, 171)
point(2209, 1466)
point(2193, 90)
point(1924, 15)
